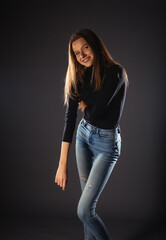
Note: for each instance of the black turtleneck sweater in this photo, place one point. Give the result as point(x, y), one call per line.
point(104, 107)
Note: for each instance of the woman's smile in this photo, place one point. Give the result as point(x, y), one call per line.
point(86, 59)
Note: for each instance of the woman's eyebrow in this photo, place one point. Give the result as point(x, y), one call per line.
point(81, 47)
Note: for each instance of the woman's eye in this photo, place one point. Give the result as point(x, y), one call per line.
point(85, 47)
point(76, 53)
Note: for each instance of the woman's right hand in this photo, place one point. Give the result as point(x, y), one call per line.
point(61, 174)
point(61, 177)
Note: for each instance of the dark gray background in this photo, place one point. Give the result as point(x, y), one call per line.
point(34, 44)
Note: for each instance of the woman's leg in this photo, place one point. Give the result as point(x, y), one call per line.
point(95, 161)
point(84, 163)
point(98, 177)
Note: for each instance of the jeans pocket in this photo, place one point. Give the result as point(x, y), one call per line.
point(111, 143)
point(108, 137)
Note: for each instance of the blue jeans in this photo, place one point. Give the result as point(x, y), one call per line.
point(97, 151)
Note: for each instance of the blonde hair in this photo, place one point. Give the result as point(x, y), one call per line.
point(75, 71)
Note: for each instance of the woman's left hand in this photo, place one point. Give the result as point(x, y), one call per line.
point(82, 106)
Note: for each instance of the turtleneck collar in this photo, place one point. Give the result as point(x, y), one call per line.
point(89, 70)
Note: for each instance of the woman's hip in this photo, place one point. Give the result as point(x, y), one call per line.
point(99, 140)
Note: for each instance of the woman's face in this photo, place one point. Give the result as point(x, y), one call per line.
point(83, 52)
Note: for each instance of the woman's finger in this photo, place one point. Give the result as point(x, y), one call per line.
point(64, 185)
point(61, 182)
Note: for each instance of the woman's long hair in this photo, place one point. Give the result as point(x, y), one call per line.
point(75, 71)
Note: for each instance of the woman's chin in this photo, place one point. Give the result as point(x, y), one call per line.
point(88, 64)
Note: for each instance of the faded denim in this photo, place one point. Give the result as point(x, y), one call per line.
point(97, 151)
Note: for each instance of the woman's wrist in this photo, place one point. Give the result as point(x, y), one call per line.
point(64, 155)
point(63, 163)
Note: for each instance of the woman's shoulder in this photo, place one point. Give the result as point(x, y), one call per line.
point(115, 68)
point(116, 72)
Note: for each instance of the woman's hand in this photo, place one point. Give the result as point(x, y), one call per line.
point(61, 174)
point(82, 106)
point(61, 177)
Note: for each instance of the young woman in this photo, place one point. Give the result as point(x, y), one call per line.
point(96, 84)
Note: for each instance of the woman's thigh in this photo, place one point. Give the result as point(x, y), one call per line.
point(106, 148)
point(99, 174)
point(84, 158)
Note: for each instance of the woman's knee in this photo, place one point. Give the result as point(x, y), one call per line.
point(82, 211)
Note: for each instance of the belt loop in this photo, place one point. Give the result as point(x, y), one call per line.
point(98, 132)
point(82, 122)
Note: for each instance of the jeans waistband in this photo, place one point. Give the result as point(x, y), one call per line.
point(90, 127)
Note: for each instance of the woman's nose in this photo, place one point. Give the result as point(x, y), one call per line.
point(82, 55)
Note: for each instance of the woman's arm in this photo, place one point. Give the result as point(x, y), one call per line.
point(70, 121)
point(61, 174)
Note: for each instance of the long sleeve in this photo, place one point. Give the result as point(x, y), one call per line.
point(110, 88)
point(70, 120)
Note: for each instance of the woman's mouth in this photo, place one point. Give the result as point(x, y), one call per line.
point(86, 60)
